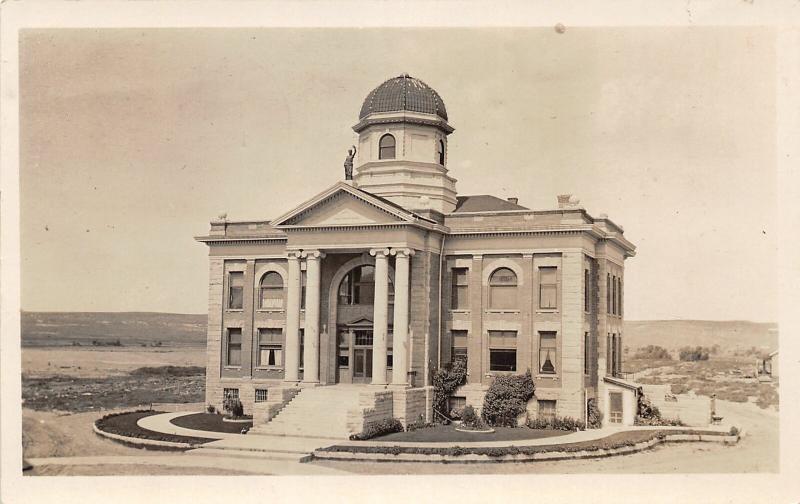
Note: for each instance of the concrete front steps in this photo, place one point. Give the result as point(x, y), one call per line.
point(317, 412)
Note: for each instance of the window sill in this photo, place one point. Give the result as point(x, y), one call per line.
point(547, 310)
point(268, 368)
point(459, 311)
point(546, 377)
point(270, 310)
point(233, 368)
point(502, 311)
point(234, 310)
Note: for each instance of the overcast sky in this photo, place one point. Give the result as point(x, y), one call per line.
point(132, 140)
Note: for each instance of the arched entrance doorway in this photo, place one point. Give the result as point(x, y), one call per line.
point(352, 305)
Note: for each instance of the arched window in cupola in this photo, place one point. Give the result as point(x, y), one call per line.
point(386, 147)
point(440, 151)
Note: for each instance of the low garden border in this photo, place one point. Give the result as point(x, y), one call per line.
point(456, 454)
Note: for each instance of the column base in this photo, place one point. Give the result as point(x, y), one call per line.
point(291, 383)
point(309, 384)
point(399, 385)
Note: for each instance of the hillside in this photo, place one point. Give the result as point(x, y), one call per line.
point(130, 328)
point(673, 334)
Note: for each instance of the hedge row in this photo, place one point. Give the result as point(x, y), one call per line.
point(619, 440)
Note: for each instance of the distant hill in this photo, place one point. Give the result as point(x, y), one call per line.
point(673, 334)
point(130, 328)
point(187, 330)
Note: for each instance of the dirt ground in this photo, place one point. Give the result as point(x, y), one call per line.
point(94, 362)
point(130, 470)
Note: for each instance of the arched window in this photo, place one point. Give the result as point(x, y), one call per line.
point(271, 291)
point(503, 289)
point(386, 146)
point(358, 287)
point(440, 152)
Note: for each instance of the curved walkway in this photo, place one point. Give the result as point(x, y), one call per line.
point(162, 423)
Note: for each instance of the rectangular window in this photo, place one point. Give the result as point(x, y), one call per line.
point(547, 352)
point(303, 290)
point(615, 407)
point(457, 403)
point(609, 352)
point(234, 347)
point(586, 353)
point(614, 295)
point(235, 290)
point(502, 350)
point(270, 348)
point(262, 395)
point(230, 394)
point(608, 293)
point(502, 360)
point(548, 288)
point(586, 290)
point(547, 409)
point(459, 345)
point(389, 358)
point(344, 358)
point(302, 344)
point(618, 360)
point(619, 297)
point(460, 289)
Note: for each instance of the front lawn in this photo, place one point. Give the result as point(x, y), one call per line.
point(210, 422)
point(447, 433)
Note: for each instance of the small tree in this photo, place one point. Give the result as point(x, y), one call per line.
point(595, 415)
point(507, 398)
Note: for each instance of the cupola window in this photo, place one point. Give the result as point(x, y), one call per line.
point(387, 147)
point(440, 152)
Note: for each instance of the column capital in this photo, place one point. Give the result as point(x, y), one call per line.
point(294, 254)
point(383, 252)
point(527, 255)
point(477, 257)
point(313, 254)
point(400, 252)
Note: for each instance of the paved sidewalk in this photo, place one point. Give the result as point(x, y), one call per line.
point(255, 466)
point(161, 423)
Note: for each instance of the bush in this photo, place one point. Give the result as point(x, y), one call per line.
point(234, 407)
point(445, 381)
point(556, 423)
point(653, 352)
point(734, 431)
point(694, 354)
point(211, 409)
point(507, 398)
point(595, 415)
point(419, 423)
point(471, 420)
point(649, 414)
point(378, 428)
point(679, 388)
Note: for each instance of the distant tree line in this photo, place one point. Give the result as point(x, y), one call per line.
point(697, 353)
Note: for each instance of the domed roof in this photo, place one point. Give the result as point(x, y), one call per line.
point(403, 93)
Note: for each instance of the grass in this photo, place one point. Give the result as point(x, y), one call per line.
point(165, 371)
point(209, 422)
point(448, 433)
point(618, 440)
point(124, 424)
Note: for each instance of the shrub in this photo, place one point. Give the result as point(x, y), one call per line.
point(211, 409)
point(471, 420)
point(646, 410)
point(556, 423)
point(234, 407)
point(653, 352)
point(378, 428)
point(595, 415)
point(734, 431)
point(445, 381)
point(694, 354)
point(417, 424)
point(506, 399)
point(679, 388)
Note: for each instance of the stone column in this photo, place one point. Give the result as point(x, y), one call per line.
point(311, 344)
point(292, 347)
point(400, 326)
point(381, 316)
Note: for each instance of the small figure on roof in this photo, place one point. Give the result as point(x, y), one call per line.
point(348, 163)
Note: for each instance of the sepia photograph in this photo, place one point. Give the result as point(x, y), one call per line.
point(355, 252)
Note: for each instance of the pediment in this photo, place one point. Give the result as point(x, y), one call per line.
point(343, 205)
point(360, 322)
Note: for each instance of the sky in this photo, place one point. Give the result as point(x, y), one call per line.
point(133, 140)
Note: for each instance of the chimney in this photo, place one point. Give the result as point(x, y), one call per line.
point(513, 200)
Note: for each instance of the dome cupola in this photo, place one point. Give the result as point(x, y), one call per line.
point(402, 146)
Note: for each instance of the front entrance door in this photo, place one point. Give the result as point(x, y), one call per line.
point(362, 356)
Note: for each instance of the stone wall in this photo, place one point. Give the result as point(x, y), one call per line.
point(411, 404)
point(372, 406)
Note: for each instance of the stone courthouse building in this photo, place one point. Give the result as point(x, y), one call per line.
point(339, 310)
